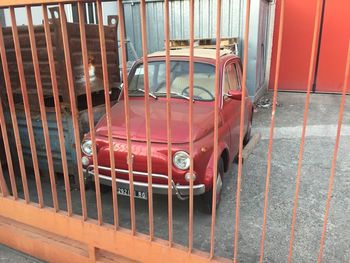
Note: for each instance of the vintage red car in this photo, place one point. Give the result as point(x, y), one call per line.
point(203, 126)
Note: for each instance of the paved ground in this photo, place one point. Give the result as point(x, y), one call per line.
point(314, 184)
point(8, 255)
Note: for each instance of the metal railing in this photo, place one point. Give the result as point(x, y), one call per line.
point(175, 253)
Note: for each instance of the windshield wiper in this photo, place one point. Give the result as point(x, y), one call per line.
point(149, 93)
point(177, 94)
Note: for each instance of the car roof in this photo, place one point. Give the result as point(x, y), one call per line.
point(198, 52)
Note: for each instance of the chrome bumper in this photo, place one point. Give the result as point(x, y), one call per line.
point(181, 191)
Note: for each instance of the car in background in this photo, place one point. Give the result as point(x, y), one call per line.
point(230, 98)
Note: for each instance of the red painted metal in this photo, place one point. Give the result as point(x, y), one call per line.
point(296, 44)
point(334, 44)
point(306, 110)
point(241, 128)
point(345, 89)
point(26, 106)
point(272, 126)
point(58, 112)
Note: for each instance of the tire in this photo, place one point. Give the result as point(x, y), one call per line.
point(103, 188)
point(248, 134)
point(207, 198)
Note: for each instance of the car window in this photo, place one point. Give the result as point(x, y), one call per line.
point(233, 77)
point(203, 79)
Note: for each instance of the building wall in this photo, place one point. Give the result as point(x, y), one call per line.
point(332, 45)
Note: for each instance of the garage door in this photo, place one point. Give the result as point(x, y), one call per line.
point(297, 40)
point(333, 46)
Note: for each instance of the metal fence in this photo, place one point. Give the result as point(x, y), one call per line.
point(100, 238)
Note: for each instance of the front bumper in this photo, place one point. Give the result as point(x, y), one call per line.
point(181, 191)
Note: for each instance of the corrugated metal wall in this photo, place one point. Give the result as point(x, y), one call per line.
point(205, 21)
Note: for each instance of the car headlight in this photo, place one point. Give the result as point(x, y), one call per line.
point(181, 160)
point(86, 147)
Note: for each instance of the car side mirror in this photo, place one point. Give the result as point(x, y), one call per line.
point(234, 94)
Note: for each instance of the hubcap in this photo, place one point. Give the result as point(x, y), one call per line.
point(218, 187)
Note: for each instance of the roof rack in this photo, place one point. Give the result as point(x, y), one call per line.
point(210, 43)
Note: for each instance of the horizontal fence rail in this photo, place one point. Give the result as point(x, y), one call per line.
point(80, 130)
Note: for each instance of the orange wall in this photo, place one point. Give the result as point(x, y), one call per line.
point(297, 40)
point(334, 46)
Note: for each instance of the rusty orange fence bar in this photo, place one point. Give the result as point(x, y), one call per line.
point(73, 108)
point(272, 127)
point(114, 238)
point(335, 154)
point(57, 103)
point(89, 105)
point(127, 110)
point(190, 124)
point(216, 127)
point(26, 106)
point(42, 106)
point(8, 152)
point(3, 186)
point(108, 110)
point(241, 129)
point(306, 110)
point(168, 123)
point(147, 115)
point(13, 116)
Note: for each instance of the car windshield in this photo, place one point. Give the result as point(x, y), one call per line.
point(203, 80)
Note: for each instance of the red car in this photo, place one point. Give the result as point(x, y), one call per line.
point(203, 126)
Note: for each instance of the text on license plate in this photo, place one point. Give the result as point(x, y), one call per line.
point(137, 194)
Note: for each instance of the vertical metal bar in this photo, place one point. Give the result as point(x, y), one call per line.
point(147, 115)
point(13, 117)
point(8, 153)
point(58, 112)
point(127, 109)
point(306, 110)
point(26, 106)
point(42, 107)
point(108, 108)
point(89, 101)
point(216, 125)
point(168, 113)
point(73, 108)
point(335, 154)
point(241, 128)
point(190, 123)
point(272, 127)
point(3, 186)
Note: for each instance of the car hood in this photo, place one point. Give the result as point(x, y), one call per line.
point(203, 120)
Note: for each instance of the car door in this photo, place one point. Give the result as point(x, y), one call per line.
point(231, 107)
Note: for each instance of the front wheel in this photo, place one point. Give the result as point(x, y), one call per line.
point(207, 198)
point(248, 133)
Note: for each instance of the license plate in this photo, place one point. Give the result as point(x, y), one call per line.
point(137, 194)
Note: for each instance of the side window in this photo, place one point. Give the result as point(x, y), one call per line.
point(226, 81)
point(233, 77)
